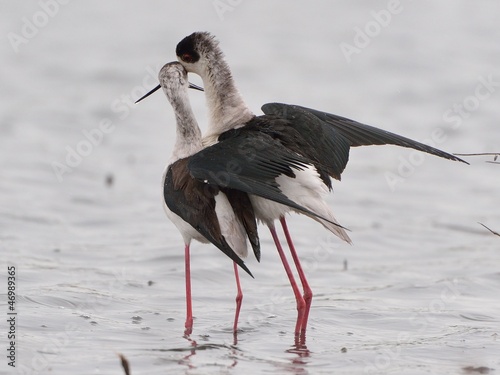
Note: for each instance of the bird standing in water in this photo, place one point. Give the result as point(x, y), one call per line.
point(211, 211)
point(202, 211)
point(321, 139)
point(284, 160)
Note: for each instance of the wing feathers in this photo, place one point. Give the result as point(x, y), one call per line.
point(357, 134)
point(194, 202)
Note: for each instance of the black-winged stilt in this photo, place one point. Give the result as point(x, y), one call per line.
point(250, 163)
point(201, 211)
point(321, 138)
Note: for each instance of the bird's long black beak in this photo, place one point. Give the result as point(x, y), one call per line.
point(195, 87)
point(191, 86)
point(149, 93)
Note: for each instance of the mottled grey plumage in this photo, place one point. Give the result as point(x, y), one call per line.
point(230, 110)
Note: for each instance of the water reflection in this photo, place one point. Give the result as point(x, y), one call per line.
point(299, 362)
point(298, 355)
point(187, 360)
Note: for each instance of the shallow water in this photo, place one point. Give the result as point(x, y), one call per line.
point(100, 268)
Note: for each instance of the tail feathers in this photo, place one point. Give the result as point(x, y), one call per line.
point(326, 213)
point(230, 226)
point(338, 231)
point(235, 237)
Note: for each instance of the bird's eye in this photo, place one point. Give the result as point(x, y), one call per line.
point(187, 58)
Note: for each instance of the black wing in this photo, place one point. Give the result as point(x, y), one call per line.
point(356, 133)
point(303, 133)
point(250, 162)
point(247, 163)
point(194, 202)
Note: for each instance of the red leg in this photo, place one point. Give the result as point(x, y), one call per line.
point(189, 309)
point(298, 297)
point(305, 285)
point(239, 298)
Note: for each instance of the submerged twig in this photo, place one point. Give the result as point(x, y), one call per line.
point(491, 230)
point(125, 364)
point(494, 154)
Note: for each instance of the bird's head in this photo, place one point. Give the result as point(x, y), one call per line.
point(196, 51)
point(173, 79)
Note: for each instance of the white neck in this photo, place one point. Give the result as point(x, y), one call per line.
point(227, 110)
point(188, 139)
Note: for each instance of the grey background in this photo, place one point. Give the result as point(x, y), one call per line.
point(420, 291)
